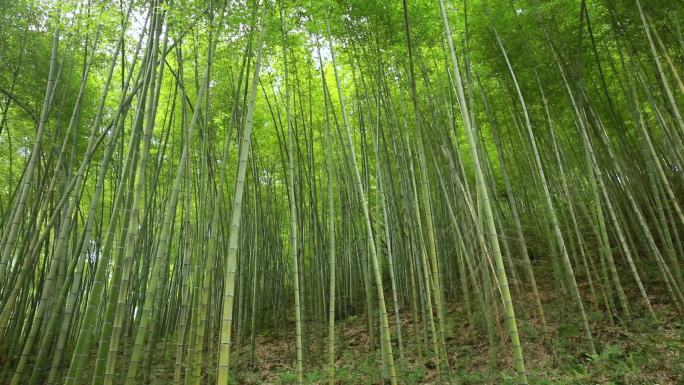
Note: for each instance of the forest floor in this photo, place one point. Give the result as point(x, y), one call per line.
point(637, 352)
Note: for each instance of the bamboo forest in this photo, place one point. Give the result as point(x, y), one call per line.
point(341, 192)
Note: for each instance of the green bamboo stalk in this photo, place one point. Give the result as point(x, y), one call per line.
point(229, 280)
point(511, 323)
